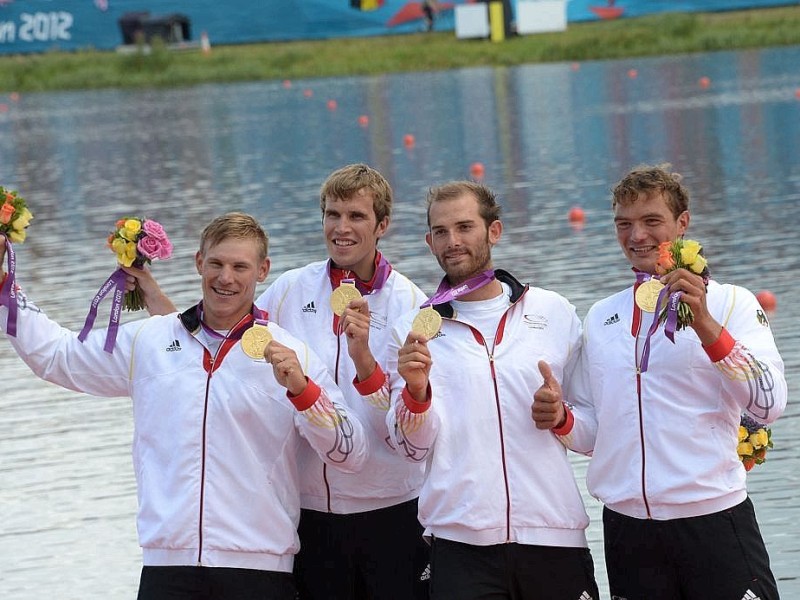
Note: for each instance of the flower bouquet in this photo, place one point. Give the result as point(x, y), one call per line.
point(14, 216)
point(14, 220)
point(138, 241)
point(754, 440)
point(680, 254)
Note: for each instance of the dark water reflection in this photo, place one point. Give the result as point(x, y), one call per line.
point(550, 137)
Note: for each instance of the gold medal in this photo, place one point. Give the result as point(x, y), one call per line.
point(427, 322)
point(342, 296)
point(647, 294)
point(255, 340)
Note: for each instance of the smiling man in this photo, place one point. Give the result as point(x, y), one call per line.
point(499, 501)
point(359, 533)
point(663, 429)
point(217, 430)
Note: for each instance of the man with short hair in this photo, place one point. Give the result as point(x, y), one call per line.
point(359, 532)
point(499, 500)
point(216, 430)
point(663, 425)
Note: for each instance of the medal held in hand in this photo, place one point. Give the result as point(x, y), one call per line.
point(255, 340)
point(427, 322)
point(342, 296)
point(647, 295)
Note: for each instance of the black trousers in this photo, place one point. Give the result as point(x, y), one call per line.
point(720, 556)
point(373, 555)
point(214, 583)
point(511, 572)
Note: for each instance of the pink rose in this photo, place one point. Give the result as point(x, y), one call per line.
point(153, 248)
point(154, 229)
point(166, 249)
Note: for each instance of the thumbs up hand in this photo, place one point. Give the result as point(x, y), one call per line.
point(547, 410)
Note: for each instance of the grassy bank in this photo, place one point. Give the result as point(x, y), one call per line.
point(672, 33)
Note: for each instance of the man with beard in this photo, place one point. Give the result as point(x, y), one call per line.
point(499, 501)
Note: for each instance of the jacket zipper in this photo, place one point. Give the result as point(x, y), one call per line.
point(635, 330)
point(490, 354)
point(203, 467)
point(226, 344)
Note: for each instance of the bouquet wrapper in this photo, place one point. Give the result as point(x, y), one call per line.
point(670, 325)
point(8, 293)
point(115, 284)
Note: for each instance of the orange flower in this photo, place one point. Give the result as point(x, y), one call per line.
point(665, 261)
point(6, 212)
point(748, 463)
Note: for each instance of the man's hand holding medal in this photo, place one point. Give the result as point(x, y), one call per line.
point(257, 342)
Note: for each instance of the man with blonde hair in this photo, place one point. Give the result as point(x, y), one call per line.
point(217, 430)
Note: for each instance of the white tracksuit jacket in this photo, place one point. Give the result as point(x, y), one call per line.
point(492, 476)
point(664, 441)
point(215, 438)
point(299, 301)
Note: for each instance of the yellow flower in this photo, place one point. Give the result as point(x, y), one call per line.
point(17, 236)
point(689, 251)
point(118, 245)
point(759, 438)
point(22, 221)
point(698, 265)
point(743, 433)
point(131, 229)
point(744, 449)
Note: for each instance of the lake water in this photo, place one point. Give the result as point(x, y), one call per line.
point(550, 137)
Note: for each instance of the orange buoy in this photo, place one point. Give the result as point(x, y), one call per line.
point(3, 107)
point(575, 66)
point(14, 96)
point(633, 73)
point(704, 82)
point(576, 215)
point(332, 105)
point(476, 170)
point(767, 300)
point(308, 93)
point(408, 140)
point(363, 120)
point(797, 93)
point(287, 83)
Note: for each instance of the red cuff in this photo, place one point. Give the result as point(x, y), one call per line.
point(721, 347)
point(372, 383)
point(412, 405)
point(569, 422)
point(307, 397)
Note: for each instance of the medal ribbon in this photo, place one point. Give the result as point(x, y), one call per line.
point(671, 322)
point(259, 316)
point(8, 294)
point(117, 283)
point(382, 271)
point(445, 293)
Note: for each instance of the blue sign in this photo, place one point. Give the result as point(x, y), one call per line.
point(42, 25)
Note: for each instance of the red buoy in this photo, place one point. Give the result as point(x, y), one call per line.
point(476, 170)
point(576, 215)
point(767, 300)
